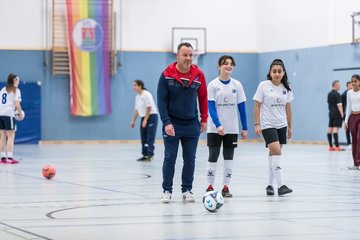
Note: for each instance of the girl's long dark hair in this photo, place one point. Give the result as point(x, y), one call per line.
point(10, 83)
point(284, 80)
point(140, 83)
point(223, 59)
point(356, 76)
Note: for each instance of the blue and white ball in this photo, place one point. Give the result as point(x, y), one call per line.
point(17, 116)
point(213, 200)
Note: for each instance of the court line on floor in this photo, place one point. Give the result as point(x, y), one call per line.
point(24, 231)
point(87, 186)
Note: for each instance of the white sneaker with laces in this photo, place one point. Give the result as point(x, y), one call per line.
point(188, 196)
point(166, 197)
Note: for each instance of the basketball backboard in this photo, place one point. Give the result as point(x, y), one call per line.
point(355, 27)
point(195, 36)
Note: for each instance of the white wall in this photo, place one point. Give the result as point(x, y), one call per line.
point(232, 26)
point(342, 22)
point(21, 24)
point(292, 24)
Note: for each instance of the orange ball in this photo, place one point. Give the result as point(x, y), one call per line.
point(48, 171)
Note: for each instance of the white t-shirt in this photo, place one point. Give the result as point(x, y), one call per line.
point(273, 100)
point(7, 106)
point(352, 103)
point(144, 100)
point(226, 97)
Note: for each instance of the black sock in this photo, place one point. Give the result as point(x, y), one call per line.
point(329, 139)
point(336, 139)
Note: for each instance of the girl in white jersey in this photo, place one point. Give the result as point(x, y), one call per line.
point(352, 120)
point(10, 100)
point(225, 98)
point(272, 119)
point(145, 108)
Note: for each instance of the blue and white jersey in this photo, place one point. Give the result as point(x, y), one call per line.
point(144, 100)
point(226, 97)
point(273, 100)
point(7, 106)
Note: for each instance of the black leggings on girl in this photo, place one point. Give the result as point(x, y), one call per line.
point(214, 152)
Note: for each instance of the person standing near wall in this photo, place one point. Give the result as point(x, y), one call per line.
point(343, 100)
point(181, 86)
point(226, 97)
point(273, 119)
point(352, 120)
point(10, 100)
point(336, 116)
point(145, 107)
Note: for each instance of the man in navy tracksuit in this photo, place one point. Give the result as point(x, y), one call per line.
point(180, 87)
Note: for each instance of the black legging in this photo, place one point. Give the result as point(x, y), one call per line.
point(214, 152)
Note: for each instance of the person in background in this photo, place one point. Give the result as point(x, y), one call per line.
point(336, 116)
point(343, 100)
point(145, 107)
point(352, 120)
point(10, 102)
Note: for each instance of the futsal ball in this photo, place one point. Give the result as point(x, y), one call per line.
point(213, 200)
point(17, 116)
point(48, 171)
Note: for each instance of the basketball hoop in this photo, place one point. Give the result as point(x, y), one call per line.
point(195, 57)
point(195, 36)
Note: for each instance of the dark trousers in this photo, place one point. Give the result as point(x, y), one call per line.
point(188, 134)
point(148, 135)
point(354, 127)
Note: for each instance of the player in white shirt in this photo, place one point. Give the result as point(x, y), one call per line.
point(145, 108)
point(10, 100)
point(226, 97)
point(352, 119)
point(272, 119)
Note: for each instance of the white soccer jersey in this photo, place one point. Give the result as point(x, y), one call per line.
point(226, 97)
point(144, 100)
point(273, 100)
point(7, 106)
point(352, 103)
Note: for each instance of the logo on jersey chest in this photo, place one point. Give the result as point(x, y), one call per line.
point(279, 102)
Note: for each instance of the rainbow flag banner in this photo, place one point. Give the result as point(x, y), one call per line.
point(89, 53)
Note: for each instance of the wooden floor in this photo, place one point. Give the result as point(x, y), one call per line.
point(101, 192)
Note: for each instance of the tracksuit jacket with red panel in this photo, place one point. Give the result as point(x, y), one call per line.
point(178, 96)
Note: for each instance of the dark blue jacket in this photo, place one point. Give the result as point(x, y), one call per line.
point(177, 98)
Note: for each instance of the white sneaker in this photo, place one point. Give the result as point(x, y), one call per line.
point(166, 197)
point(188, 196)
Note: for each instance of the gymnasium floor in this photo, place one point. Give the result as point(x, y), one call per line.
point(101, 192)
